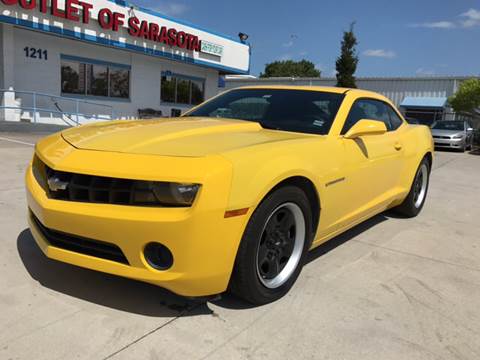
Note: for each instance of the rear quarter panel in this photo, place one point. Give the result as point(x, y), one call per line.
point(417, 142)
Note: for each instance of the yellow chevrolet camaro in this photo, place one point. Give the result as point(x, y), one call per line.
point(232, 195)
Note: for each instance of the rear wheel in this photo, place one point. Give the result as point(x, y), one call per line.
point(273, 247)
point(415, 200)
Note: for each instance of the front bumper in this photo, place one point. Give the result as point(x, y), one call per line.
point(203, 242)
point(449, 143)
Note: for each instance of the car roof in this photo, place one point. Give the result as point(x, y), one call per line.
point(330, 89)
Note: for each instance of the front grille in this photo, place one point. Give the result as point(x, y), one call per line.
point(441, 137)
point(94, 189)
point(81, 245)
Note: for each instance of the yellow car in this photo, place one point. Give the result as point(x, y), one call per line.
point(232, 195)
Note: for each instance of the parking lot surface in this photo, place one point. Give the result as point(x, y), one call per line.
point(390, 288)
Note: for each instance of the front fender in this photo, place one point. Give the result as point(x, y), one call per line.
point(256, 174)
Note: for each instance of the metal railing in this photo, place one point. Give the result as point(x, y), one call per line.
point(46, 108)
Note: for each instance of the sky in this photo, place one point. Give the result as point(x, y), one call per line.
point(396, 38)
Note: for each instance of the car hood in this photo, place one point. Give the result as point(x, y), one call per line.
point(189, 137)
point(447, 132)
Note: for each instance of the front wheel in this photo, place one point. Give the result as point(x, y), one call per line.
point(415, 200)
point(273, 247)
point(470, 147)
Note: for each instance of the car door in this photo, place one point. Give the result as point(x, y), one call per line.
point(374, 162)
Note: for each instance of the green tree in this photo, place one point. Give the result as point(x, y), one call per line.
point(347, 62)
point(467, 98)
point(289, 68)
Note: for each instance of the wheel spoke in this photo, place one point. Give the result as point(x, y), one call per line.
point(262, 252)
point(271, 228)
point(288, 249)
point(288, 223)
point(269, 266)
point(274, 265)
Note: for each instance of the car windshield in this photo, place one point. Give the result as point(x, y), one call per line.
point(449, 125)
point(305, 111)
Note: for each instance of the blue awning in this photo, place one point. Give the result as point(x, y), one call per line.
point(424, 102)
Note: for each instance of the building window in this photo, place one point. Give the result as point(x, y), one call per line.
point(97, 79)
point(73, 77)
point(178, 89)
point(119, 83)
point(83, 78)
point(183, 91)
point(169, 89)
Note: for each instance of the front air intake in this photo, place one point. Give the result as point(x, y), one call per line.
point(81, 245)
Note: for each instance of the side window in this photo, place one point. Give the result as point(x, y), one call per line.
point(395, 120)
point(367, 109)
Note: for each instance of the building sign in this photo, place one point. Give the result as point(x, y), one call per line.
point(210, 48)
point(80, 11)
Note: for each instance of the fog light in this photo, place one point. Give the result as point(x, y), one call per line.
point(158, 256)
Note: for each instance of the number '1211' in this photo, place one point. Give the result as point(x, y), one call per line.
point(36, 53)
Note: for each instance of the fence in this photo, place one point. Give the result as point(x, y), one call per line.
point(37, 107)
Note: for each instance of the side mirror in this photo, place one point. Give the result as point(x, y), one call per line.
point(469, 129)
point(366, 127)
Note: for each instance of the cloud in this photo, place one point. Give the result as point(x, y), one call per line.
point(285, 57)
point(425, 72)
point(471, 18)
point(468, 19)
point(291, 42)
point(380, 53)
point(171, 8)
point(325, 70)
point(303, 53)
point(435, 25)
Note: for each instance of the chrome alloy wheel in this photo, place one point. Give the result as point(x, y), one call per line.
point(420, 186)
point(281, 245)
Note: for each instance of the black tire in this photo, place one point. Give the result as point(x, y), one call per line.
point(412, 206)
point(247, 281)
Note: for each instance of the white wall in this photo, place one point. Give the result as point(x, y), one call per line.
point(45, 75)
point(7, 66)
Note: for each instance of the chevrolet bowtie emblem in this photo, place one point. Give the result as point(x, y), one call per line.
point(55, 184)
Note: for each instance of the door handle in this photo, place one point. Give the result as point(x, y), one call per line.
point(398, 146)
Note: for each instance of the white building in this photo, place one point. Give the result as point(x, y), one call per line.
point(68, 60)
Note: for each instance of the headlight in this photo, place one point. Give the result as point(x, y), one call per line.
point(457, 137)
point(165, 194)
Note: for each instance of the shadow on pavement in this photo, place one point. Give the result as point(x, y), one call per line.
point(103, 289)
point(137, 297)
point(349, 235)
point(231, 302)
point(475, 151)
